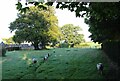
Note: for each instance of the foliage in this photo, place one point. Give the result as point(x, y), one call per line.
point(13, 48)
point(102, 18)
point(37, 26)
point(84, 45)
point(64, 45)
point(88, 45)
point(8, 40)
point(104, 21)
point(71, 34)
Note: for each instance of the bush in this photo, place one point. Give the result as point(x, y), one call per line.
point(82, 45)
point(2, 51)
point(13, 48)
point(64, 45)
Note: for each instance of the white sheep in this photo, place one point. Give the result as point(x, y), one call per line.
point(100, 67)
point(46, 56)
point(34, 60)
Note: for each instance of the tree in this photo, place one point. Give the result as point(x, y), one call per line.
point(37, 26)
point(103, 21)
point(103, 18)
point(8, 40)
point(71, 34)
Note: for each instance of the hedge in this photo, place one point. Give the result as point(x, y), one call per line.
point(64, 45)
point(112, 49)
point(13, 48)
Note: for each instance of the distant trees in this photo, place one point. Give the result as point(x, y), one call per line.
point(71, 34)
point(37, 26)
point(8, 40)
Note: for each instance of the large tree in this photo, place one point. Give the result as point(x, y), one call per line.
point(37, 25)
point(72, 34)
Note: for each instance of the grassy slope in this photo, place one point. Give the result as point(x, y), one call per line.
point(67, 63)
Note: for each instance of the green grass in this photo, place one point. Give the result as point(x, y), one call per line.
point(65, 63)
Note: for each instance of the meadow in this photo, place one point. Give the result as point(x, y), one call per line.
point(65, 63)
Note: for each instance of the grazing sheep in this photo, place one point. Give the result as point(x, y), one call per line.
point(46, 56)
point(34, 60)
point(100, 68)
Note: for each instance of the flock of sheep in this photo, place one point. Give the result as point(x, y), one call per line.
point(99, 66)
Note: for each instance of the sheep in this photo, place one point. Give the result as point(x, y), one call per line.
point(100, 68)
point(48, 54)
point(45, 57)
point(34, 60)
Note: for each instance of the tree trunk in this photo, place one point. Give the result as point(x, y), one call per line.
point(36, 46)
point(43, 45)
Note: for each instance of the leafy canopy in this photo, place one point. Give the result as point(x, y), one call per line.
point(102, 18)
point(38, 26)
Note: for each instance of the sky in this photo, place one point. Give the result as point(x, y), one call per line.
point(9, 14)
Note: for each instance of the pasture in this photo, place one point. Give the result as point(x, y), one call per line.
point(65, 63)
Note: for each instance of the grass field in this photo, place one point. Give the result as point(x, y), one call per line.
point(65, 63)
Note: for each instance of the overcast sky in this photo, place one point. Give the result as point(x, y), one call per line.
point(9, 14)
